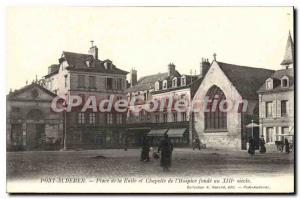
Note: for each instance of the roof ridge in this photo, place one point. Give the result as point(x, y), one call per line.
point(250, 67)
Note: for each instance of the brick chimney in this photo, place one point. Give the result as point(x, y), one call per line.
point(171, 69)
point(133, 77)
point(204, 67)
point(93, 50)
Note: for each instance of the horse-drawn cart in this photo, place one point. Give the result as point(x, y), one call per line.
point(280, 144)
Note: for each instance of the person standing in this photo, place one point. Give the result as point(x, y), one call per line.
point(262, 147)
point(196, 143)
point(145, 150)
point(126, 143)
point(166, 148)
point(251, 149)
point(287, 145)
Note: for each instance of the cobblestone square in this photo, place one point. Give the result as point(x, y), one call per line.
point(117, 162)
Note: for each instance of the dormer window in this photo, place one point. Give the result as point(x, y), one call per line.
point(156, 86)
point(165, 84)
point(107, 64)
point(269, 84)
point(174, 82)
point(285, 82)
point(183, 81)
point(87, 63)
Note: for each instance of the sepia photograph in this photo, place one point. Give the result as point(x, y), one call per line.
point(150, 99)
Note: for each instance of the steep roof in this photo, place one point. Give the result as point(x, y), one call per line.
point(289, 52)
point(78, 62)
point(277, 75)
point(247, 80)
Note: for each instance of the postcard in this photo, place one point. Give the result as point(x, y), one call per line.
point(150, 99)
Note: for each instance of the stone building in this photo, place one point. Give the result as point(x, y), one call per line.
point(276, 99)
point(30, 123)
point(85, 75)
point(237, 85)
point(162, 88)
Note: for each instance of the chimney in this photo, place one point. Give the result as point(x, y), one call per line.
point(171, 69)
point(204, 67)
point(133, 77)
point(93, 50)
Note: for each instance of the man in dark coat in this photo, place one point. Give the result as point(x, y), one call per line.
point(251, 149)
point(145, 150)
point(287, 145)
point(166, 148)
point(262, 148)
point(196, 143)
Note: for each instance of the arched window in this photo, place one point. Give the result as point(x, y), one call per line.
point(183, 81)
point(174, 82)
point(215, 119)
point(165, 84)
point(156, 86)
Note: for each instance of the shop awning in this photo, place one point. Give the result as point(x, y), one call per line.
point(157, 132)
point(138, 128)
point(176, 132)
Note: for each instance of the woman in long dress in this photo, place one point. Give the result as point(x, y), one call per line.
point(262, 147)
point(251, 149)
point(287, 145)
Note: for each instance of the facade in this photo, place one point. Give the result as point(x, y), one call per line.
point(237, 85)
point(85, 75)
point(30, 123)
point(256, 95)
point(163, 88)
point(276, 99)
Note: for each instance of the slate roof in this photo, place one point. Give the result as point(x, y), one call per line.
point(289, 52)
point(277, 75)
point(78, 62)
point(13, 94)
point(147, 82)
point(247, 80)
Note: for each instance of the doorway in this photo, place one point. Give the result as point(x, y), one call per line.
point(35, 135)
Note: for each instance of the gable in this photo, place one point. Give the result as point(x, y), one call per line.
point(216, 77)
point(32, 92)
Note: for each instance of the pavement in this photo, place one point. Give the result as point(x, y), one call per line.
point(117, 162)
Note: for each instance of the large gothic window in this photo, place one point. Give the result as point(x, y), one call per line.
point(215, 118)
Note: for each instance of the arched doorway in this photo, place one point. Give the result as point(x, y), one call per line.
point(214, 117)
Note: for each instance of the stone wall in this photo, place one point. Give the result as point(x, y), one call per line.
point(232, 136)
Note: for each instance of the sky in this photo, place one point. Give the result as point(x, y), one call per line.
point(144, 38)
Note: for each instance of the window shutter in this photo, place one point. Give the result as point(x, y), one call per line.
point(105, 82)
point(262, 110)
point(278, 102)
point(289, 110)
point(274, 109)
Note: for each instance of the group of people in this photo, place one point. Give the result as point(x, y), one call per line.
point(165, 150)
point(262, 147)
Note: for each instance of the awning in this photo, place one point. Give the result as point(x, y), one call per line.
point(139, 128)
point(176, 132)
point(157, 132)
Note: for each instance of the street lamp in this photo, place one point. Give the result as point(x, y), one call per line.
point(252, 127)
